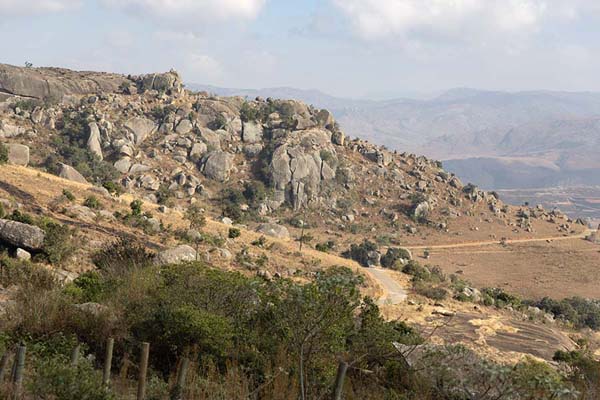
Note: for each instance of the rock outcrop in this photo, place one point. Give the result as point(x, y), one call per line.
point(18, 154)
point(55, 83)
point(176, 255)
point(274, 230)
point(70, 173)
point(217, 165)
point(21, 235)
point(94, 140)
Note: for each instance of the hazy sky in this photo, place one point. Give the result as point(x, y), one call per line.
point(344, 47)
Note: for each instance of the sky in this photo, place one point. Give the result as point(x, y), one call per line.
point(348, 48)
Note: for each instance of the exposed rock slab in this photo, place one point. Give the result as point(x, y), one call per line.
point(21, 235)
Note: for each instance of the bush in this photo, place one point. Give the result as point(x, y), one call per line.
point(68, 195)
point(234, 233)
point(122, 256)
point(231, 201)
point(580, 312)
point(433, 292)
point(195, 215)
point(56, 379)
point(58, 243)
point(2, 212)
point(21, 217)
point(501, 298)
point(72, 150)
point(325, 247)
point(87, 287)
point(248, 113)
point(255, 192)
point(3, 154)
point(360, 252)
point(136, 207)
point(93, 203)
point(393, 255)
point(417, 271)
point(113, 188)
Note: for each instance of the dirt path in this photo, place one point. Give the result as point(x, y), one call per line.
point(496, 242)
point(394, 293)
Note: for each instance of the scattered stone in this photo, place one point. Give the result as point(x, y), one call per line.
point(176, 255)
point(23, 255)
point(274, 230)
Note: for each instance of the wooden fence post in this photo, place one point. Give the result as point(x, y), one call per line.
point(4, 365)
point(183, 370)
point(108, 361)
point(19, 368)
point(339, 380)
point(141, 392)
point(75, 355)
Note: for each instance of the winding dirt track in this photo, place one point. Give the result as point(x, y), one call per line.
point(496, 242)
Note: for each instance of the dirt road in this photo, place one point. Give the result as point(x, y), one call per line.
point(393, 292)
point(496, 242)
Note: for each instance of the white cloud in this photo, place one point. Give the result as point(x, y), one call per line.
point(192, 10)
point(203, 67)
point(454, 18)
point(30, 7)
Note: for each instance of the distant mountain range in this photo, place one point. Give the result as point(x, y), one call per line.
point(498, 140)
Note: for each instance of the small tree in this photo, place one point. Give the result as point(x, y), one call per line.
point(136, 207)
point(195, 215)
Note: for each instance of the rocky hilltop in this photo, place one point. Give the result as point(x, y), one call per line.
point(139, 210)
point(150, 136)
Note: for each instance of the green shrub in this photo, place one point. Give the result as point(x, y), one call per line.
point(71, 148)
point(360, 252)
point(231, 201)
point(58, 380)
point(22, 217)
point(417, 271)
point(393, 255)
point(325, 247)
point(255, 192)
point(2, 212)
point(92, 202)
point(68, 195)
point(579, 311)
point(113, 188)
point(59, 245)
point(3, 154)
point(136, 207)
point(87, 287)
point(234, 233)
point(248, 113)
point(195, 216)
point(260, 242)
point(501, 298)
point(431, 291)
point(122, 256)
